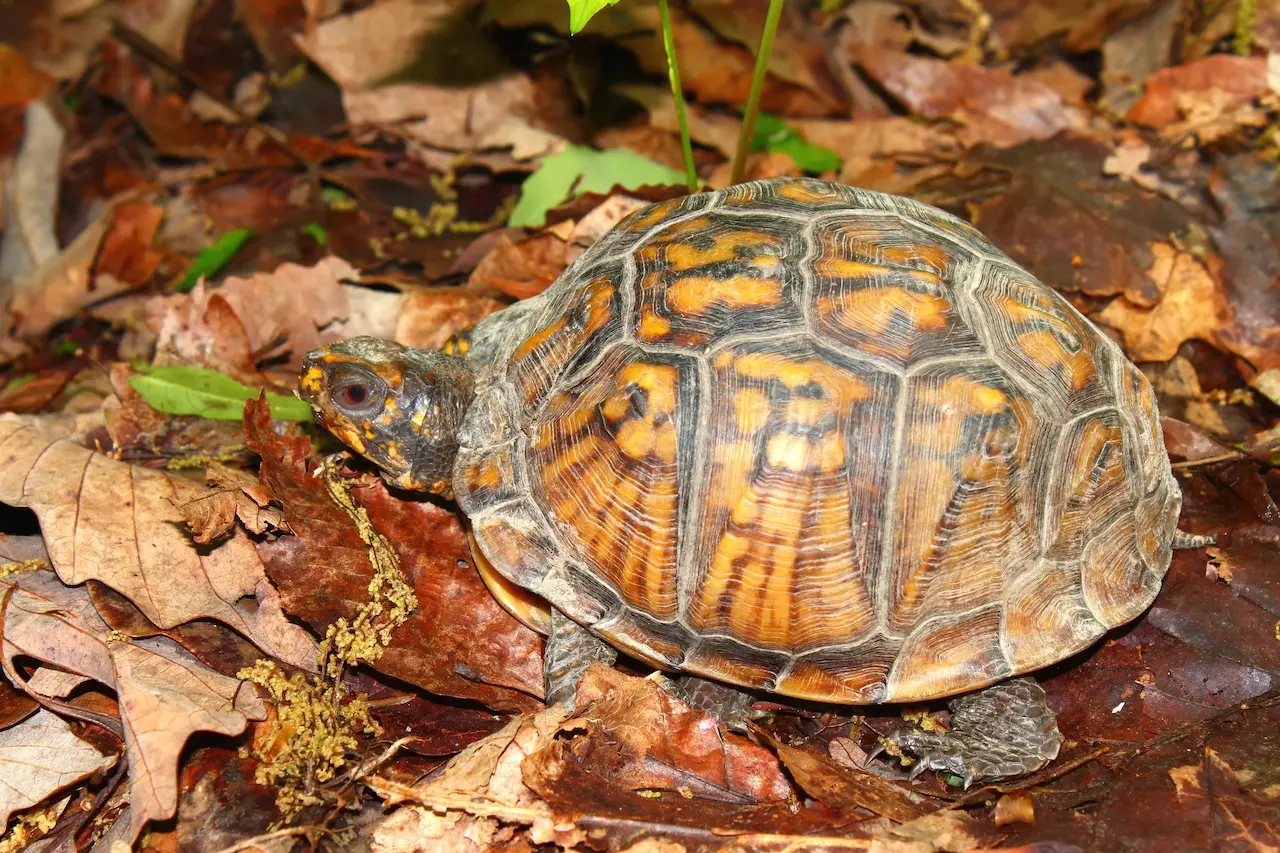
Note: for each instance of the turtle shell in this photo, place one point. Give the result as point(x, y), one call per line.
point(819, 441)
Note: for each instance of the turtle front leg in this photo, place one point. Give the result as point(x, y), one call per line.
point(570, 649)
point(1007, 729)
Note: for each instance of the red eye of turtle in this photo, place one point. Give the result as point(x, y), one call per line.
point(357, 391)
point(353, 395)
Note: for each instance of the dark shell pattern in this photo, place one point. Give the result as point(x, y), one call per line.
point(819, 441)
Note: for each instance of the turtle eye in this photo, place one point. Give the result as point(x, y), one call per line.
point(356, 391)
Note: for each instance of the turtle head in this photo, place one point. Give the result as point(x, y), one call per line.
point(399, 407)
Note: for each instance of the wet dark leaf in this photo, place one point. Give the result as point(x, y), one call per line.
point(458, 643)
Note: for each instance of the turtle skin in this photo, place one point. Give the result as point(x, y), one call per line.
point(809, 440)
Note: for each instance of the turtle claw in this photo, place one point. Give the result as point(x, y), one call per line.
point(1005, 730)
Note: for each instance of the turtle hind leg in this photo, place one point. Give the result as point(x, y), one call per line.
point(570, 649)
point(1006, 730)
point(731, 705)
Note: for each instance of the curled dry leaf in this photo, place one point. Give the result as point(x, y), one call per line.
point(233, 494)
point(118, 524)
point(286, 311)
point(480, 791)
point(993, 105)
point(164, 694)
point(459, 642)
point(637, 735)
point(39, 756)
point(840, 787)
point(31, 199)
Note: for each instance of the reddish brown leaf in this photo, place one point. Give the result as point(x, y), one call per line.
point(523, 268)
point(643, 738)
point(1246, 187)
point(994, 105)
point(1240, 78)
point(1184, 442)
point(36, 393)
point(459, 642)
point(126, 251)
point(842, 788)
point(1073, 227)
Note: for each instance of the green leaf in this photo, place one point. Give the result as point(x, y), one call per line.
point(15, 383)
point(215, 257)
point(577, 170)
point(582, 11)
point(179, 390)
point(316, 232)
point(777, 137)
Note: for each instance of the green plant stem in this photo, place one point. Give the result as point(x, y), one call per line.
point(757, 86)
point(1246, 18)
point(677, 95)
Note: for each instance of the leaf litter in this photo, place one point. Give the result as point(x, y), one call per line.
point(206, 619)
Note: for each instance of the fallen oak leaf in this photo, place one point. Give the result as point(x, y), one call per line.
point(108, 521)
point(1191, 305)
point(40, 756)
point(164, 695)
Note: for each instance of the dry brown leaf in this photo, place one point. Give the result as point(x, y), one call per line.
point(164, 694)
point(1133, 52)
point(1240, 79)
point(127, 253)
point(57, 290)
point(1082, 24)
point(799, 54)
point(522, 268)
point(994, 106)
point(824, 779)
point(39, 756)
point(229, 328)
point(31, 200)
point(1191, 306)
point(107, 521)
point(714, 70)
point(428, 318)
point(1246, 188)
point(390, 41)
point(874, 137)
point(476, 793)
point(641, 737)
point(233, 494)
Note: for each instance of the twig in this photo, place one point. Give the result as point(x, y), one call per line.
point(748, 131)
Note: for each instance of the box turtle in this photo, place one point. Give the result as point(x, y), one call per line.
point(796, 438)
